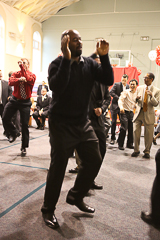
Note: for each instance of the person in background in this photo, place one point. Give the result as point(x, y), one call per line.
point(5, 93)
point(42, 108)
point(148, 97)
point(115, 92)
point(71, 78)
point(127, 104)
point(98, 105)
point(157, 129)
point(40, 87)
point(16, 118)
point(23, 82)
point(153, 218)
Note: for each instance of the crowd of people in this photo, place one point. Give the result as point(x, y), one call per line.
point(78, 119)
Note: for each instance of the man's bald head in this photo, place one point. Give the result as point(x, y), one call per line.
point(68, 32)
point(74, 43)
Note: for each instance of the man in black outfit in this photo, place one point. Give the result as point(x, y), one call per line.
point(5, 93)
point(115, 93)
point(71, 78)
point(153, 218)
point(42, 105)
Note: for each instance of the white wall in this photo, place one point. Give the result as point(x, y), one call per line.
point(23, 26)
point(122, 22)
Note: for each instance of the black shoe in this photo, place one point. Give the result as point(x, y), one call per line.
point(146, 155)
point(13, 138)
point(79, 204)
point(154, 142)
point(96, 186)
point(121, 148)
point(23, 152)
point(112, 142)
point(130, 146)
point(38, 127)
point(42, 128)
point(148, 218)
point(73, 170)
point(50, 220)
point(135, 154)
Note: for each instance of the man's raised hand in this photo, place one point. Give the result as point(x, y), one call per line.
point(65, 47)
point(102, 47)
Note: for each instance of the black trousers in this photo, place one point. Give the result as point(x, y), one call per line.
point(114, 122)
point(101, 135)
point(64, 138)
point(155, 193)
point(10, 109)
point(1, 109)
point(126, 124)
point(43, 116)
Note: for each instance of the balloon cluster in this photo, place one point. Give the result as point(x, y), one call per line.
point(154, 55)
point(158, 55)
point(139, 72)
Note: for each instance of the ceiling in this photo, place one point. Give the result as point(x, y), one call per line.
point(40, 10)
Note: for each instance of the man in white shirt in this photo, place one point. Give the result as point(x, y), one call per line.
point(127, 103)
point(148, 98)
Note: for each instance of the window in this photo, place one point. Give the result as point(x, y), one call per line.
point(36, 61)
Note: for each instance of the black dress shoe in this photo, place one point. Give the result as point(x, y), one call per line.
point(146, 155)
point(112, 142)
point(130, 146)
point(148, 218)
point(135, 154)
point(96, 186)
point(50, 220)
point(38, 127)
point(23, 152)
point(154, 142)
point(73, 170)
point(120, 148)
point(80, 205)
point(13, 138)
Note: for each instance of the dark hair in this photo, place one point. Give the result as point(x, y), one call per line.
point(151, 75)
point(125, 76)
point(133, 80)
point(10, 73)
point(94, 56)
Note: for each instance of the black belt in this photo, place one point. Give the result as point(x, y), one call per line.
point(20, 100)
point(128, 111)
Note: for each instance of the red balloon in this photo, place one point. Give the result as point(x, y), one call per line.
point(158, 50)
point(139, 72)
point(130, 64)
point(158, 60)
